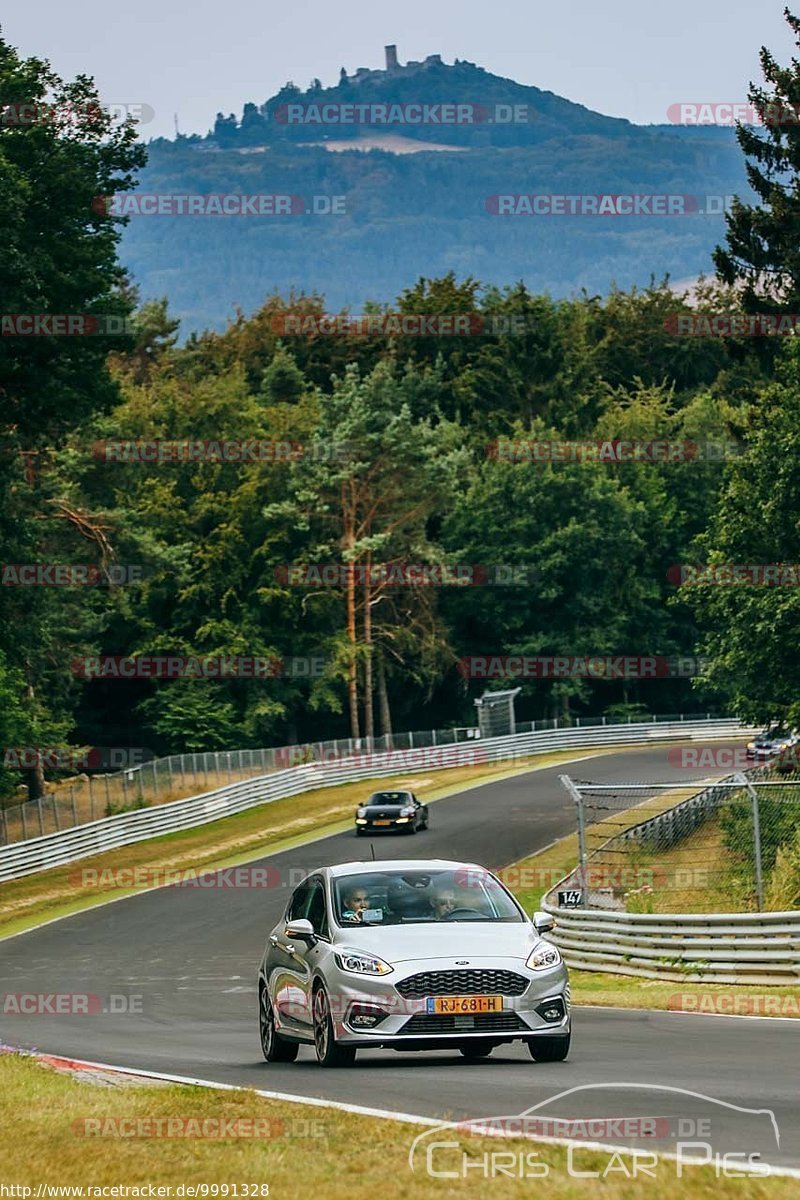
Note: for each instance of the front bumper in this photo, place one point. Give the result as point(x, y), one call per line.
point(542, 1009)
point(384, 825)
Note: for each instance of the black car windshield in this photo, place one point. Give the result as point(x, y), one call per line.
point(379, 798)
point(419, 897)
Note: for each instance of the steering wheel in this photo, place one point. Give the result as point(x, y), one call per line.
point(455, 913)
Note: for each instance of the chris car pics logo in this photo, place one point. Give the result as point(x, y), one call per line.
point(634, 1130)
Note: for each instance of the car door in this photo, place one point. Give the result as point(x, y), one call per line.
point(285, 971)
point(306, 958)
point(316, 957)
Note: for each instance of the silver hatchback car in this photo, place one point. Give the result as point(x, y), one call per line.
point(410, 955)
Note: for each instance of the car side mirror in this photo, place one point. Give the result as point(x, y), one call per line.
point(543, 922)
point(300, 931)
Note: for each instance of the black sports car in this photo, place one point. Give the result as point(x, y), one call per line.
point(400, 811)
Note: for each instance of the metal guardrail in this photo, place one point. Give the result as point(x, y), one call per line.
point(733, 948)
point(730, 948)
point(123, 829)
point(150, 781)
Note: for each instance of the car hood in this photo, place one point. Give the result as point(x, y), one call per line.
point(443, 940)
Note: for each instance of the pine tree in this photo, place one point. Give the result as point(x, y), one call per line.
point(763, 251)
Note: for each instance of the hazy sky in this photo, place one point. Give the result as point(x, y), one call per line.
point(627, 58)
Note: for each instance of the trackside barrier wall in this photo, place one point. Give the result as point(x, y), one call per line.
point(123, 829)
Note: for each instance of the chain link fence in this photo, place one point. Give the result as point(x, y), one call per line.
point(88, 797)
point(733, 846)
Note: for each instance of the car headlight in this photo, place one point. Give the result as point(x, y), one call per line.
point(543, 957)
point(751, 745)
point(407, 812)
point(362, 964)
point(361, 812)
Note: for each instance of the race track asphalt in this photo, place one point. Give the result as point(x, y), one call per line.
point(187, 958)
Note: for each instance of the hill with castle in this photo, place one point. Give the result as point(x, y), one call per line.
point(414, 196)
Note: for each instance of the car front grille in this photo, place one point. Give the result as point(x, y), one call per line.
point(462, 983)
point(506, 1022)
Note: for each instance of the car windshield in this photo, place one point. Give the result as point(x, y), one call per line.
point(379, 798)
point(419, 897)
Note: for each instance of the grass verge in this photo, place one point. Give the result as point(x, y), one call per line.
point(68, 1134)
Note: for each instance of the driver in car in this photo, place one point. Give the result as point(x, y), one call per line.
point(443, 901)
point(355, 902)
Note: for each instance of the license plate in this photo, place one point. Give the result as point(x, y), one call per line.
point(464, 1004)
point(381, 822)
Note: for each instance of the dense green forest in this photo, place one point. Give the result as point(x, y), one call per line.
point(393, 459)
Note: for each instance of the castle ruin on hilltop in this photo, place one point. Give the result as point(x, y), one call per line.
point(394, 68)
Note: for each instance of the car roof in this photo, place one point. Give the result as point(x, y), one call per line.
point(399, 864)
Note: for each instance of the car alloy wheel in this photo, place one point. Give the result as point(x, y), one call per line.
point(273, 1046)
point(329, 1052)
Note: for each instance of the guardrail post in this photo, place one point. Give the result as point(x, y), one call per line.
point(55, 811)
point(740, 778)
point(41, 818)
point(24, 823)
point(74, 809)
point(5, 825)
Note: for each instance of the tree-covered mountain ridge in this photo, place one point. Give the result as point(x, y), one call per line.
point(399, 216)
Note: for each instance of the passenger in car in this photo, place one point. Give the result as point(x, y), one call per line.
point(355, 902)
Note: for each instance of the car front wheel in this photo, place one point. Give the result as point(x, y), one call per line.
point(549, 1049)
point(329, 1052)
point(273, 1046)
